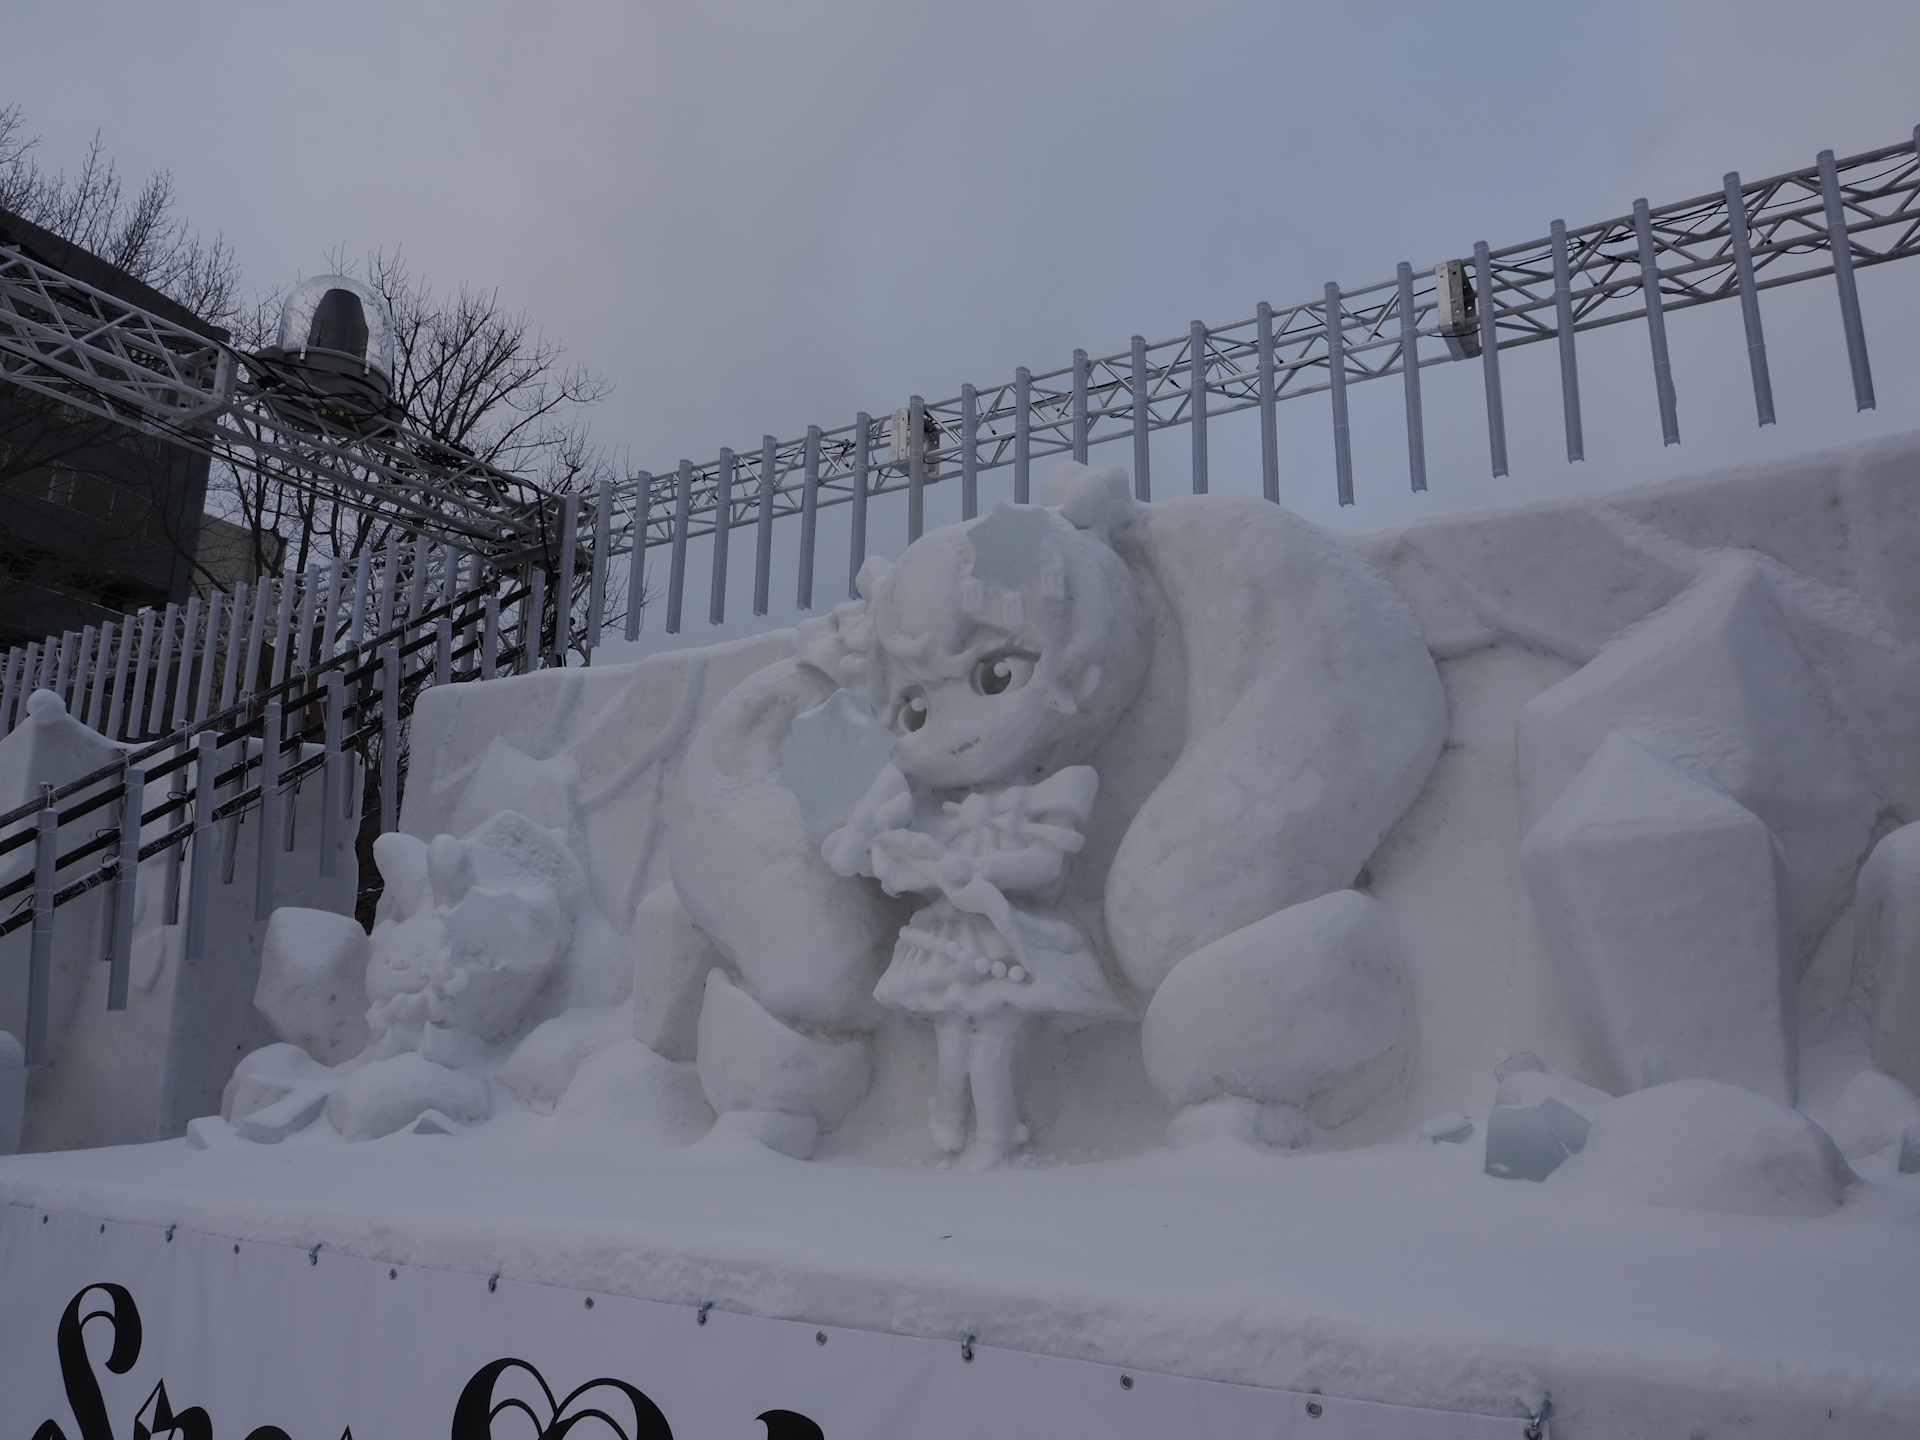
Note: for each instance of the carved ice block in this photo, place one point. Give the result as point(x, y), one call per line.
point(1667, 980)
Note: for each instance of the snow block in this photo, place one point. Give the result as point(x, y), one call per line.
point(1704, 1145)
point(750, 1061)
point(13, 1092)
point(1886, 956)
point(268, 1076)
point(1307, 1008)
point(1664, 903)
point(1874, 1112)
point(671, 958)
point(313, 982)
point(1314, 715)
point(271, 1124)
point(209, 1132)
point(1716, 685)
point(388, 1095)
point(49, 746)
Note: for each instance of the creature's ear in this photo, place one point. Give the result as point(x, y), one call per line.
point(1098, 500)
point(871, 571)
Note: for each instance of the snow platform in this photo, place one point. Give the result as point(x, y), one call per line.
point(1397, 1273)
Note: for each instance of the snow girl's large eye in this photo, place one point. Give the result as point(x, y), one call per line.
point(913, 712)
point(1002, 672)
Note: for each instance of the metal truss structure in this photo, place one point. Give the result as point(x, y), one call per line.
point(64, 339)
point(1828, 219)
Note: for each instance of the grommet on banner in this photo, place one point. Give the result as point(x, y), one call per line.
point(236, 1247)
point(1537, 1422)
point(393, 1274)
point(819, 1337)
point(700, 1318)
point(1126, 1382)
point(103, 1227)
point(169, 1234)
point(589, 1302)
point(966, 1349)
point(313, 1255)
point(1313, 1409)
point(493, 1282)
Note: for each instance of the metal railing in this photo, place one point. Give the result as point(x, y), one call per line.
point(327, 679)
point(1828, 219)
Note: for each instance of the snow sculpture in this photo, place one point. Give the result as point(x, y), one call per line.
point(1616, 837)
point(973, 961)
point(1002, 655)
point(1886, 962)
point(469, 937)
point(458, 970)
point(1303, 1015)
point(670, 985)
point(1092, 737)
point(1698, 811)
point(782, 1087)
point(313, 980)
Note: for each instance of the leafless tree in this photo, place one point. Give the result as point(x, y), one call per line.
point(469, 374)
point(139, 231)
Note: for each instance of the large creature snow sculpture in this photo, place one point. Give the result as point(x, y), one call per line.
point(1096, 736)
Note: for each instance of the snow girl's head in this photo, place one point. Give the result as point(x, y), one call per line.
point(1009, 647)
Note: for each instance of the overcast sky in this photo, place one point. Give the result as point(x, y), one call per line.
point(752, 216)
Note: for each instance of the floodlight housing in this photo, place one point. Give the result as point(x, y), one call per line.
point(333, 364)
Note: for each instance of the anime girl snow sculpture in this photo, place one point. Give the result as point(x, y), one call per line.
point(1002, 654)
point(1093, 737)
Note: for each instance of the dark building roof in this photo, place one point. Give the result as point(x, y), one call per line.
point(95, 518)
point(89, 269)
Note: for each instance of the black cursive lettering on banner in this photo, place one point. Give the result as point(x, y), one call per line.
point(474, 1414)
point(618, 1407)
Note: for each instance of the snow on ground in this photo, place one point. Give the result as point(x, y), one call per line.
point(1398, 1273)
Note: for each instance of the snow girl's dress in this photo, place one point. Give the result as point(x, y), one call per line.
point(972, 949)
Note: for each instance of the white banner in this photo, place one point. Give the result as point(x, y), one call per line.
point(110, 1331)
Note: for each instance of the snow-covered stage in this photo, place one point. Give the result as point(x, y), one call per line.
point(1442, 970)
